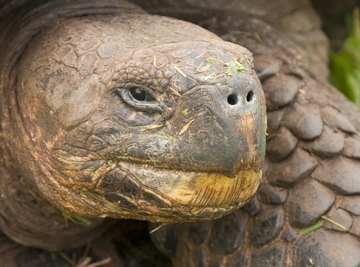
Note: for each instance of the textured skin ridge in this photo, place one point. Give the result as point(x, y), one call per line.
point(313, 157)
point(296, 21)
point(51, 89)
point(20, 21)
point(311, 171)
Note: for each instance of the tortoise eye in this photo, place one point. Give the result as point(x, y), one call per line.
point(139, 97)
point(140, 94)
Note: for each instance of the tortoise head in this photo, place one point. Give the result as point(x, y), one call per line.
point(138, 116)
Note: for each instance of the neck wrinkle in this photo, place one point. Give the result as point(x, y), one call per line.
point(31, 221)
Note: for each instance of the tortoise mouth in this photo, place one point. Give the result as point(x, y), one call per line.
point(172, 195)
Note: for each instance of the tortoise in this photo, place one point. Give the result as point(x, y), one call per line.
point(109, 115)
point(66, 147)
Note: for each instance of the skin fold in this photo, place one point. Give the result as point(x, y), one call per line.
point(68, 102)
point(144, 159)
point(306, 211)
point(130, 116)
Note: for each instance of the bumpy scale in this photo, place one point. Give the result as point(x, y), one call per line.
point(306, 212)
point(121, 115)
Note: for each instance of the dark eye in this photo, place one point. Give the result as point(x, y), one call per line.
point(140, 94)
point(139, 97)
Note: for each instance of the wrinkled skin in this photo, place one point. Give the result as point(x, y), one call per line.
point(306, 212)
point(266, 232)
point(295, 20)
point(180, 151)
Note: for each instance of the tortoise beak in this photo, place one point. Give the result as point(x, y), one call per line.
point(222, 131)
point(225, 136)
point(204, 162)
point(215, 151)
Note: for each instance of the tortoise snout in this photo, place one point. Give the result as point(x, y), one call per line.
point(242, 94)
point(238, 98)
point(233, 98)
point(227, 134)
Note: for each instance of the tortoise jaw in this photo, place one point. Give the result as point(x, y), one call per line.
point(173, 195)
point(199, 130)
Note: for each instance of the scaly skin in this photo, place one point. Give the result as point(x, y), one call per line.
point(307, 126)
point(266, 232)
point(141, 159)
point(126, 116)
point(296, 21)
point(126, 244)
point(311, 172)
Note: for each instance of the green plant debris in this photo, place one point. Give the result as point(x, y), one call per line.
point(218, 76)
point(203, 67)
point(83, 262)
point(67, 258)
point(206, 65)
point(89, 194)
point(151, 127)
point(345, 64)
point(210, 60)
point(208, 77)
point(177, 68)
point(333, 222)
point(311, 263)
point(157, 228)
point(111, 207)
point(311, 228)
point(185, 111)
point(233, 67)
point(76, 219)
point(211, 76)
point(154, 62)
point(88, 262)
point(186, 127)
point(174, 91)
point(261, 177)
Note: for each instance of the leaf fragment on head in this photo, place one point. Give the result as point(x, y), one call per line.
point(233, 67)
point(186, 127)
point(206, 65)
point(177, 68)
point(210, 60)
point(185, 111)
point(76, 219)
point(208, 77)
point(203, 67)
point(174, 91)
point(151, 127)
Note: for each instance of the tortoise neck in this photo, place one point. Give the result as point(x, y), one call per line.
point(30, 220)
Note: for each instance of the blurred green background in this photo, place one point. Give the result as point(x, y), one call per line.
point(345, 64)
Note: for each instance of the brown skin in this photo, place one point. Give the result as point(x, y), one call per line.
point(130, 134)
point(311, 171)
point(295, 19)
point(129, 120)
point(261, 238)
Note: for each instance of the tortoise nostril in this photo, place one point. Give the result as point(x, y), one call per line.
point(232, 99)
point(250, 96)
